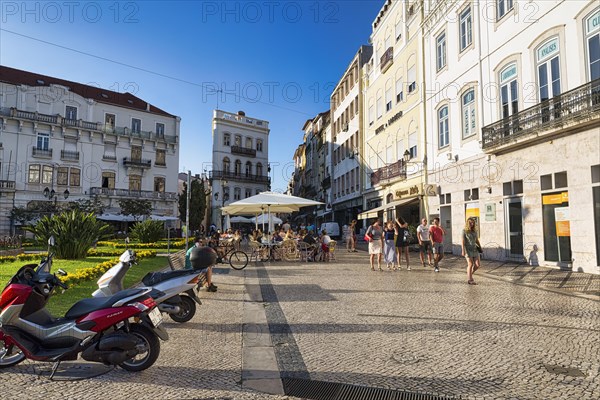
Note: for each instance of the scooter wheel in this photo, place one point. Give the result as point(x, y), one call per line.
point(187, 310)
point(152, 349)
point(10, 355)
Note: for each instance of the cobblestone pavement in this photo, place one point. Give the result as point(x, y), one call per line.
point(416, 330)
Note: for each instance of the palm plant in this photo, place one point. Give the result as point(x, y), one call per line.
point(148, 231)
point(74, 232)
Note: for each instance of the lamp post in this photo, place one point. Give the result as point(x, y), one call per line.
point(224, 198)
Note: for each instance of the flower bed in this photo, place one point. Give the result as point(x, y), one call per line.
point(156, 245)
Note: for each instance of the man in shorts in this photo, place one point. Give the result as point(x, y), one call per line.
point(436, 233)
point(424, 241)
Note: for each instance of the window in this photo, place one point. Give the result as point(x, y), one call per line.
point(226, 165)
point(248, 143)
point(136, 152)
point(379, 105)
point(400, 148)
point(512, 188)
point(135, 182)
point(399, 91)
point(503, 7)
point(71, 113)
point(468, 114)
point(259, 145)
point(560, 180)
point(509, 96)
point(596, 174)
point(412, 79)
point(389, 154)
point(34, 173)
point(238, 167)
point(75, 177)
point(109, 122)
point(546, 182)
point(356, 105)
point(238, 141)
point(160, 130)
point(136, 125)
point(441, 51)
point(226, 139)
point(443, 135)
point(161, 157)
point(412, 145)
point(259, 169)
point(548, 68)
point(592, 30)
point(388, 98)
point(466, 28)
point(399, 29)
point(43, 141)
point(47, 172)
point(248, 193)
point(159, 184)
point(237, 193)
point(248, 168)
point(108, 180)
point(371, 115)
point(62, 177)
point(472, 194)
point(110, 151)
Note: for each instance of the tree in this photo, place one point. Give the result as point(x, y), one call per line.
point(88, 206)
point(74, 232)
point(197, 203)
point(136, 208)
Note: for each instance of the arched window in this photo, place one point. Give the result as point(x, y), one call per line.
point(259, 144)
point(592, 34)
point(548, 68)
point(259, 169)
point(443, 134)
point(468, 114)
point(509, 95)
point(248, 168)
point(238, 167)
point(226, 165)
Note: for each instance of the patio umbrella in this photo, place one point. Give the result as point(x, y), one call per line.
point(269, 201)
point(240, 220)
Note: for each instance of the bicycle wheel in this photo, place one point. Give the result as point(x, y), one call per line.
point(238, 260)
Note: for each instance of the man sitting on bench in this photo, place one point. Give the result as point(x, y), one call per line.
point(207, 270)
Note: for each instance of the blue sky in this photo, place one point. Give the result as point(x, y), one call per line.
point(278, 60)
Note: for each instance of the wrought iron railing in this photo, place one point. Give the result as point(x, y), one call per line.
point(137, 162)
point(243, 151)
point(69, 155)
point(239, 177)
point(7, 184)
point(581, 104)
point(37, 152)
point(146, 194)
point(395, 170)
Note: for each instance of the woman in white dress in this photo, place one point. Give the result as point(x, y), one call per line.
point(375, 235)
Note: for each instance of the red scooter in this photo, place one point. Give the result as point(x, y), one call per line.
point(118, 330)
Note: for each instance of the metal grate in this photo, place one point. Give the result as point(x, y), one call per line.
point(321, 390)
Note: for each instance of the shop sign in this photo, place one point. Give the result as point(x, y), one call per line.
point(548, 49)
point(490, 212)
point(556, 198)
point(412, 191)
point(563, 226)
point(593, 23)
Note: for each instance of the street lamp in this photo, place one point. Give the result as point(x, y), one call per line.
point(51, 194)
point(224, 198)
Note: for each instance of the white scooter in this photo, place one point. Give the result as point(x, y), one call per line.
point(173, 290)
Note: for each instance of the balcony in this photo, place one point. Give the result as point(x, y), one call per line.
point(7, 185)
point(570, 112)
point(43, 153)
point(244, 151)
point(239, 177)
point(69, 155)
point(137, 162)
point(389, 172)
point(87, 125)
point(109, 157)
point(387, 59)
point(326, 183)
point(137, 194)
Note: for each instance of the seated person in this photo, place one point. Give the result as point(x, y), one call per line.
point(289, 235)
point(310, 239)
point(276, 237)
point(325, 240)
point(207, 270)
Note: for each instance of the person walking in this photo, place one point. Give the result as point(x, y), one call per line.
point(351, 237)
point(402, 241)
point(424, 242)
point(436, 233)
point(375, 235)
point(471, 249)
point(390, 232)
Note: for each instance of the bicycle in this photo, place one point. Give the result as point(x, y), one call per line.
point(228, 253)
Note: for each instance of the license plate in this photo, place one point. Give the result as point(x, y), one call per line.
point(155, 317)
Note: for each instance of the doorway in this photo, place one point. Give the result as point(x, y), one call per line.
point(446, 223)
point(514, 228)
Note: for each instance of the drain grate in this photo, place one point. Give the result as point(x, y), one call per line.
point(568, 371)
point(321, 390)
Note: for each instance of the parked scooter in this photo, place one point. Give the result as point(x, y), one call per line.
point(174, 290)
point(119, 330)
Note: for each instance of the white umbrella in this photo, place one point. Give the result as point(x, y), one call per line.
point(240, 220)
point(270, 201)
point(261, 219)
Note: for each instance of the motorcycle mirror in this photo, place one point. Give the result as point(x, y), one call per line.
point(61, 272)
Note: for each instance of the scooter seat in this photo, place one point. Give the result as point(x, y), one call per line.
point(86, 306)
point(154, 278)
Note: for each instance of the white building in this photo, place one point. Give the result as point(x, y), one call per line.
point(240, 159)
point(347, 139)
point(62, 141)
point(513, 117)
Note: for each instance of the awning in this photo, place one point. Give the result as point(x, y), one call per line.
point(162, 218)
point(115, 217)
point(373, 213)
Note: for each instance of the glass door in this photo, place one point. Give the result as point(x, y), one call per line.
point(514, 228)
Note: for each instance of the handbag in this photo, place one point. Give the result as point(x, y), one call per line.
point(368, 238)
point(479, 249)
